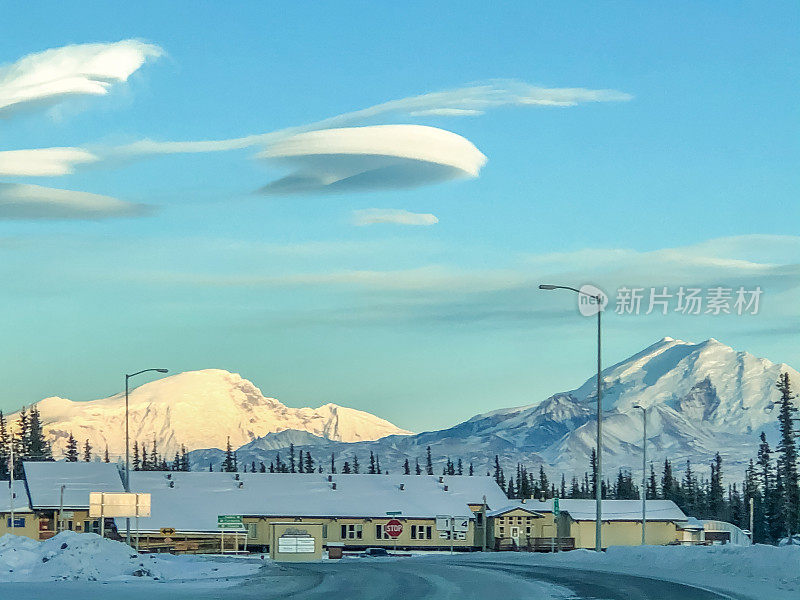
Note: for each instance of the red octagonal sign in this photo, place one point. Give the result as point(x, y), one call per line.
point(393, 528)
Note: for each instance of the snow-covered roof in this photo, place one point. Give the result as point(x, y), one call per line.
point(21, 503)
point(197, 498)
point(612, 510)
point(508, 508)
point(692, 523)
point(78, 478)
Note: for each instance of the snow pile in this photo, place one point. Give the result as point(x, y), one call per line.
point(88, 557)
point(758, 571)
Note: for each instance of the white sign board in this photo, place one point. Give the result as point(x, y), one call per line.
point(461, 524)
point(107, 504)
point(295, 544)
point(443, 522)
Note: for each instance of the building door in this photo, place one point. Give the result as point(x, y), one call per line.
point(515, 535)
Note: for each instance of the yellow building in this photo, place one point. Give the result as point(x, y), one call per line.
point(351, 509)
point(531, 524)
point(24, 521)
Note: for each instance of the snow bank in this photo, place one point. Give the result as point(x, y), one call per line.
point(88, 557)
point(757, 571)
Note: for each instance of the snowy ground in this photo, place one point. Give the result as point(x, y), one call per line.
point(89, 567)
point(88, 557)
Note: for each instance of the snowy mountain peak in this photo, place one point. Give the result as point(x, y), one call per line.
point(199, 409)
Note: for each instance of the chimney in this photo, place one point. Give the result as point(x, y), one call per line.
point(402, 486)
point(333, 486)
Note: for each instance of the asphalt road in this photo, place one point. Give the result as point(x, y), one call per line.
point(435, 578)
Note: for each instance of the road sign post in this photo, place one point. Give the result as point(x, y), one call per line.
point(556, 513)
point(394, 513)
point(228, 523)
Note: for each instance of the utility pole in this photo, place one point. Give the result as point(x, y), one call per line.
point(752, 534)
point(11, 483)
point(644, 469)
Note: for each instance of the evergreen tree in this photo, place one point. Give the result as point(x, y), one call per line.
point(145, 462)
point(575, 489)
point(71, 452)
point(652, 486)
point(544, 483)
point(460, 468)
point(563, 491)
point(38, 448)
point(356, 466)
point(471, 471)
point(5, 450)
point(787, 458)
point(262, 468)
point(87, 451)
point(428, 461)
point(333, 463)
point(668, 482)
point(371, 469)
point(751, 491)
point(766, 476)
point(417, 468)
point(301, 468)
point(378, 464)
point(271, 467)
point(499, 477)
point(689, 490)
point(210, 467)
point(106, 459)
point(511, 492)
point(136, 464)
point(716, 493)
point(228, 464)
point(346, 468)
point(406, 468)
point(309, 462)
point(593, 470)
point(154, 460)
point(185, 459)
point(292, 466)
point(176, 462)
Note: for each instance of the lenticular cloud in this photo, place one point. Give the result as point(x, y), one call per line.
point(25, 201)
point(46, 78)
point(371, 158)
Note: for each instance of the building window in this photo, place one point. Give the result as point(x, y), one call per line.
point(502, 531)
point(479, 519)
point(421, 532)
point(527, 519)
point(352, 532)
point(528, 530)
point(519, 519)
point(91, 526)
point(380, 533)
point(252, 531)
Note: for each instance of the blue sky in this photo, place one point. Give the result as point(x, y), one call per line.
point(683, 174)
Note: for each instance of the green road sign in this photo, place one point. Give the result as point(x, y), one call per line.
point(230, 522)
point(394, 513)
point(556, 509)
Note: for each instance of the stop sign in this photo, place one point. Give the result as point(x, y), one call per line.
point(394, 528)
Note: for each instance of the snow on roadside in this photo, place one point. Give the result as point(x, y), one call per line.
point(757, 571)
point(88, 557)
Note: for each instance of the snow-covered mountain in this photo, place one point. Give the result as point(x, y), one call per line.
point(701, 398)
point(198, 409)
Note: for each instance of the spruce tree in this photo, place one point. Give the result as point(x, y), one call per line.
point(106, 458)
point(417, 468)
point(356, 466)
point(428, 461)
point(145, 460)
point(136, 464)
point(5, 450)
point(301, 468)
point(544, 483)
point(71, 453)
point(593, 469)
point(87, 451)
point(371, 469)
point(460, 468)
point(652, 485)
point(716, 492)
point(309, 462)
point(292, 465)
point(38, 446)
point(471, 471)
point(787, 458)
point(262, 468)
point(406, 468)
point(228, 465)
point(346, 468)
point(333, 463)
point(378, 465)
point(176, 462)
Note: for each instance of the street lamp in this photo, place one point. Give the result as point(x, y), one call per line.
point(127, 447)
point(644, 468)
point(598, 546)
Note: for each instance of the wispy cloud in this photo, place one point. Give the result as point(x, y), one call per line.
point(34, 202)
point(374, 157)
point(395, 216)
point(47, 78)
point(470, 100)
point(43, 161)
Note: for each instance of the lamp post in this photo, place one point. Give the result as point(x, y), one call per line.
point(644, 468)
point(598, 546)
point(127, 446)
